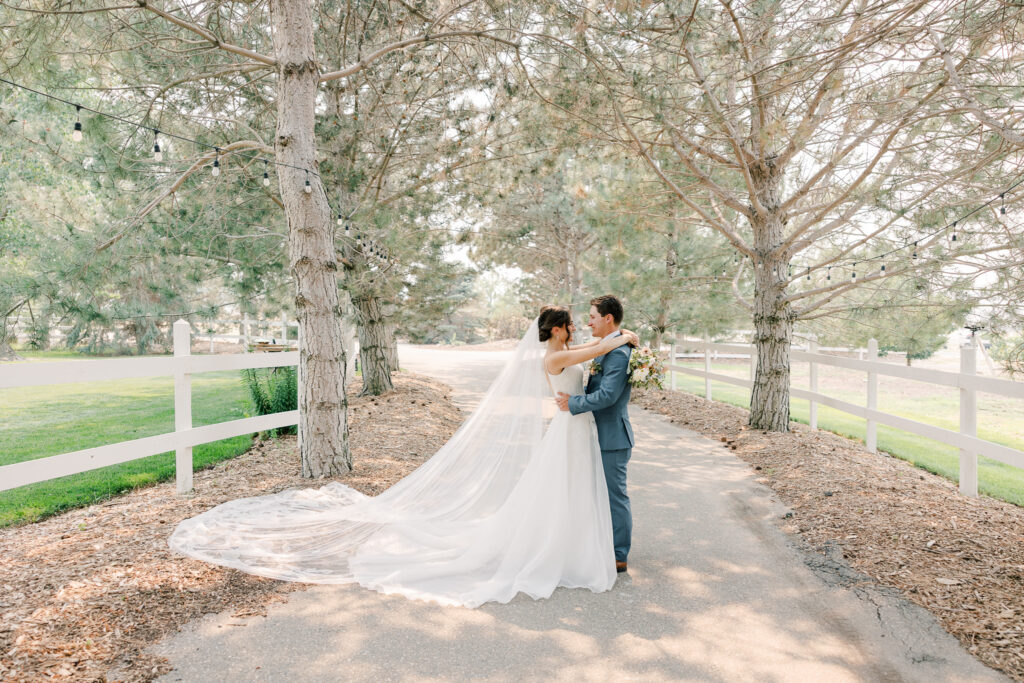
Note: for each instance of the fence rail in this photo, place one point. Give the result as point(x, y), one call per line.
point(184, 437)
point(967, 381)
point(249, 329)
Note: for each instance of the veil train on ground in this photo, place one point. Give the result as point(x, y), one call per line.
point(460, 529)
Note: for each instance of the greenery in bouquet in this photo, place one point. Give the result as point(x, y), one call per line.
point(646, 369)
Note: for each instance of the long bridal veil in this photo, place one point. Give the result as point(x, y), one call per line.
point(427, 535)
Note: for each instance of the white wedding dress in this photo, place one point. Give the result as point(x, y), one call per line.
point(506, 506)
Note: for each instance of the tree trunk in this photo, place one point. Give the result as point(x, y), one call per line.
point(392, 346)
point(576, 283)
point(323, 417)
point(773, 316)
point(377, 355)
point(665, 296)
point(349, 335)
point(39, 328)
point(6, 352)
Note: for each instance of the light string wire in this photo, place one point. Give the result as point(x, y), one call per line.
point(136, 124)
point(372, 254)
point(1001, 196)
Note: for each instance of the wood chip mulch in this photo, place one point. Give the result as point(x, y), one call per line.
point(86, 592)
point(960, 558)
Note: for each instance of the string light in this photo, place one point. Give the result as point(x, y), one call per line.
point(808, 273)
point(828, 273)
point(955, 236)
point(158, 154)
point(77, 131)
point(853, 273)
point(883, 269)
point(76, 134)
point(348, 230)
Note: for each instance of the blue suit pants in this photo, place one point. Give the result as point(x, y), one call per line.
point(622, 517)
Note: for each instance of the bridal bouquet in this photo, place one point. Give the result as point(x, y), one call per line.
point(646, 369)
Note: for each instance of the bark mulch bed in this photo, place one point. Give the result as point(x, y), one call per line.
point(960, 558)
point(86, 592)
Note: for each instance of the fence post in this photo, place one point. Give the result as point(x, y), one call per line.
point(812, 347)
point(871, 437)
point(182, 403)
point(707, 367)
point(671, 362)
point(284, 328)
point(968, 421)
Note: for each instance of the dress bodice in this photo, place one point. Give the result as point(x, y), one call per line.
point(569, 381)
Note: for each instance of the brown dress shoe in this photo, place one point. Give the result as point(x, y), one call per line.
point(620, 566)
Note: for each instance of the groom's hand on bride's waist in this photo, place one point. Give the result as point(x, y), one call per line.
point(562, 399)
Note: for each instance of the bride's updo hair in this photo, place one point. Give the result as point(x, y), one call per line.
point(553, 316)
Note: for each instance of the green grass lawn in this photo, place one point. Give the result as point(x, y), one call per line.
point(995, 479)
point(36, 422)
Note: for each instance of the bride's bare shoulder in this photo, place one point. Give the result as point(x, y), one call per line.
point(552, 366)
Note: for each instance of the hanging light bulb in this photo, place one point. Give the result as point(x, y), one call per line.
point(76, 134)
point(828, 273)
point(308, 188)
point(1002, 208)
point(266, 175)
point(808, 273)
point(158, 155)
point(954, 231)
point(215, 171)
point(340, 221)
point(883, 269)
point(348, 230)
point(915, 251)
point(853, 273)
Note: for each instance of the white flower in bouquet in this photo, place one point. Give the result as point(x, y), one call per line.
point(646, 369)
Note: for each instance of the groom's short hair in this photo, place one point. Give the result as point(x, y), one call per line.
point(608, 305)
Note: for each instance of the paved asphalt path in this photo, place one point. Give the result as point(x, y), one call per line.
point(715, 592)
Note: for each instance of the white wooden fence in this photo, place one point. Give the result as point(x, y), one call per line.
point(249, 330)
point(182, 366)
point(967, 381)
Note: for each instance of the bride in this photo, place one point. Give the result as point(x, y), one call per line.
point(511, 503)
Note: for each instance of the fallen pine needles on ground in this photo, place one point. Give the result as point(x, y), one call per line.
point(960, 558)
point(86, 592)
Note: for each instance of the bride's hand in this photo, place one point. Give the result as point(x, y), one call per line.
point(611, 343)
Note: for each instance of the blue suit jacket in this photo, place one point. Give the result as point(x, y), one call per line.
point(607, 396)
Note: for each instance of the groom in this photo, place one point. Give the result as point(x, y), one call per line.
point(607, 397)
